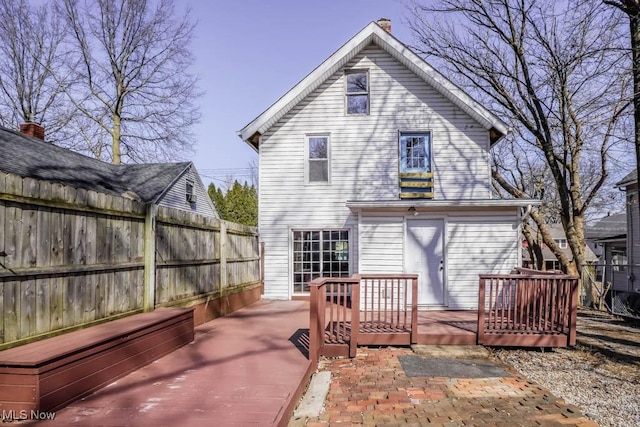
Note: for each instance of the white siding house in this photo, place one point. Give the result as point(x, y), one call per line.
point(375, 163)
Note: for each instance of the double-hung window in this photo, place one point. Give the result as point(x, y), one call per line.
point(415, 152)
point(318, 158)
point(357, 92)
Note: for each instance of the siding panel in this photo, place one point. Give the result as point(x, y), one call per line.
point(474, 247)
point(381, 241)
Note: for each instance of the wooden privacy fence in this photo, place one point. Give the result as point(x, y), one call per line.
point(70, 258)
point(529, 309)
point(361, 310)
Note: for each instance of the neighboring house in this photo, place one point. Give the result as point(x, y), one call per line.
point(549, 259)
point(175, 185)
point(376, 163)
point(608, 237)
point(632, 283)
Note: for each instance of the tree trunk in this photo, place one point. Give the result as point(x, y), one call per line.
point(115, 144)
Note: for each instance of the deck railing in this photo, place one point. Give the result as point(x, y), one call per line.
point(388, 308)
point(363, 309)
point(528, 309)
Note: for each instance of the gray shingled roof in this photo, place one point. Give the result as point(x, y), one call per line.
point(629, 179)
point(30, 157)
point(608, 227)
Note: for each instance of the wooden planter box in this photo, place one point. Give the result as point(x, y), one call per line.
point(49, 374)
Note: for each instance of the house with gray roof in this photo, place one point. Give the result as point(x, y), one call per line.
point(550, 261)
point(608, 237)
point(175, 185)
point(626, 287)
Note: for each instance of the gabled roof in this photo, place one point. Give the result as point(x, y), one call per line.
point(372, 33)
point(609, 227)
point(30, 157)
point(632, 178)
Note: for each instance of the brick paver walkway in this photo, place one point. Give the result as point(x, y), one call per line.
point(373, 390)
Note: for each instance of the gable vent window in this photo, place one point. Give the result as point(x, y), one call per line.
point(357, 92)
point(191, 195)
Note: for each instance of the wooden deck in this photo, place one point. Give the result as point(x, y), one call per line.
point(525, 309)
point(248, 368)
point(447, 327)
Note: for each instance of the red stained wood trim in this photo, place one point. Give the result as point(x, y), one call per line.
point(381, 338)
point(446, 339)
point(335, 350)
point(49, 374)
point(525, 340)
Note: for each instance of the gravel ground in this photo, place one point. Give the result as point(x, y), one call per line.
point(601, 375)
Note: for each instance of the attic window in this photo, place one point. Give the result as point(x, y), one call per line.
point(191, 196)
point(357, 92)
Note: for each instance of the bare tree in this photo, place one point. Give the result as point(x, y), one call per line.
point(132, 82)
point(30, 50)
point(555, 71)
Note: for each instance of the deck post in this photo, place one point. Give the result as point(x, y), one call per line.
point(414, 310)
point(314, 323)
point(355, 316)
point(573, 314)
point(481, 308)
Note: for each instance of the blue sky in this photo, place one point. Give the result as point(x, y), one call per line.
point(250, 52)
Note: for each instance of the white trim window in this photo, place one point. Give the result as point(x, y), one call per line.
point(317, 158)
point(319, 253)
point(357, 92)
point(415, 152)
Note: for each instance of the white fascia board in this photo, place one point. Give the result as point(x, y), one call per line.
point(372, 33)
point(426, 204)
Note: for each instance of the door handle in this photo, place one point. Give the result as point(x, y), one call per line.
point(441, 264)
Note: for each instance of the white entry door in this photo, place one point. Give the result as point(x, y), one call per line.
point(424, 255)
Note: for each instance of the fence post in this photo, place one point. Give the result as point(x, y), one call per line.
point(223, 254)
point(149, 295)
point(261, 267)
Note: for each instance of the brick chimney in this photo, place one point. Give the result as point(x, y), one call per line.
point(32, 129)
point(385, 23)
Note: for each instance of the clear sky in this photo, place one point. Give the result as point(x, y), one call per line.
point(251, 52)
